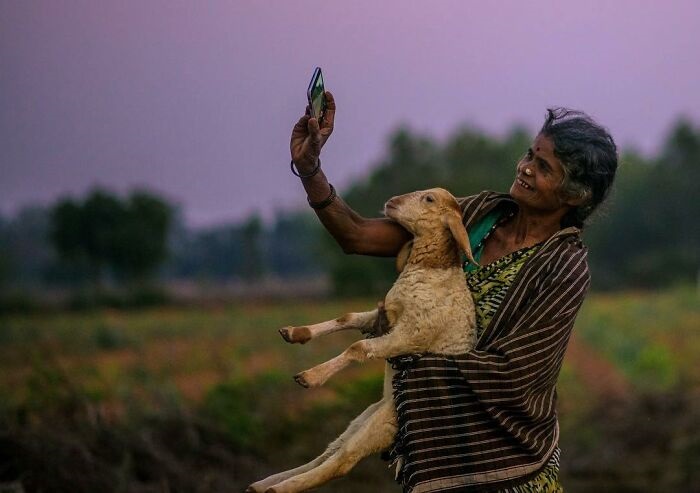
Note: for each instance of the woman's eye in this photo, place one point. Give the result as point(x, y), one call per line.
point(528, 154)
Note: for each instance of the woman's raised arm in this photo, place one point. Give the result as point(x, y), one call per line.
point(354, 233)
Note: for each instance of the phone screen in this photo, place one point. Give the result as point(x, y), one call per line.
point(315, 94)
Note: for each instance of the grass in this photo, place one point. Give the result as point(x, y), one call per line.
point(224, 372)
point(651, 337)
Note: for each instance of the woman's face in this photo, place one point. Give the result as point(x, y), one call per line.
point(538, 179)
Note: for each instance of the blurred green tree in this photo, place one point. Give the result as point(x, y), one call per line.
point(649, 234)
point(105, 232)
point(140, 241)
point(252, 266)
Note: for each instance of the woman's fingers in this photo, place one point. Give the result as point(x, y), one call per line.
point(299, 134)
point(301, 124)
point(300, 130)
point(308, 136)
point(329, 113)
point(314, 136)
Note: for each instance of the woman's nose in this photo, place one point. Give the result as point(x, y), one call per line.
point(528, 171)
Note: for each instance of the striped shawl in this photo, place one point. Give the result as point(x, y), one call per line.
point(487, 420)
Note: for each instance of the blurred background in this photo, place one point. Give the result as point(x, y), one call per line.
point(152, 238)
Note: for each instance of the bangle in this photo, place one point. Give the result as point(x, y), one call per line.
point(307, 175)
point(324, 203)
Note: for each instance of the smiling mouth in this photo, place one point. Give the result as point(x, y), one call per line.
point(523, 184)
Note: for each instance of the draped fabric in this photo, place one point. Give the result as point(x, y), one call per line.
point(486, 420)
point(489, 284)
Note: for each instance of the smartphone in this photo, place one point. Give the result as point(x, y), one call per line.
point(317, 101)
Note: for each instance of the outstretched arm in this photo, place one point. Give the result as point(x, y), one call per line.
point(354, 233)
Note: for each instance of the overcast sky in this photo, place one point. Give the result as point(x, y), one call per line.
point(196, 100)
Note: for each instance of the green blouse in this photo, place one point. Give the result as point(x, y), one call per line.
point(489, 284)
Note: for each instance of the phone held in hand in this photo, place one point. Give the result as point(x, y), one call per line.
point(317, 101)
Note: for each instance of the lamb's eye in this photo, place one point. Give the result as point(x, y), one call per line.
point(429, 198)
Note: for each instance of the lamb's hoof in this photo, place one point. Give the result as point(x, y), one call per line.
point(284, 332)
point(300, 335)
point(300, 378)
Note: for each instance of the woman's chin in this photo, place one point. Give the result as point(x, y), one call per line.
point(517, 192)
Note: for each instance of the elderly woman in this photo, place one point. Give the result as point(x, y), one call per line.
point(486, 420)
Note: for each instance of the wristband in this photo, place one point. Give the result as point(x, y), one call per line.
point(307, 175)
point(323, 203)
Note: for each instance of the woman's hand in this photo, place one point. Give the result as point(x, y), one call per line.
point(308, 137)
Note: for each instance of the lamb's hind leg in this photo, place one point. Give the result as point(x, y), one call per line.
point(375, 434)
point(362, 321)
point(355, 424)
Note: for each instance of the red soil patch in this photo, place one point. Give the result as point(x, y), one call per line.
point(259, 362)
point(597, 373)
point(194, 386)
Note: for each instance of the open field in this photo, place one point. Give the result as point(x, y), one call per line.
point(202, 399)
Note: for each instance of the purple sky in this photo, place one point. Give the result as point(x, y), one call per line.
point(196, 100)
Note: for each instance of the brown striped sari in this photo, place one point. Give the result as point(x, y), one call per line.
point(487, 420)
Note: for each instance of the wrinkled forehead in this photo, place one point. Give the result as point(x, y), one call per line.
point(543, 148)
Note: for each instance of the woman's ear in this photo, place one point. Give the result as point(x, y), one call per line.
point(578, 199)
point(459, 233)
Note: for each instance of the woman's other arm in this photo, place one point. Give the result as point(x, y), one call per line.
point(354, 233)
point(530, 357)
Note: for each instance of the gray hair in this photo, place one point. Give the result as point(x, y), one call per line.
point(589, 156)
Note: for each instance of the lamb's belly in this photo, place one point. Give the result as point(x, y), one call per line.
point(436, 320)
point(456, 334)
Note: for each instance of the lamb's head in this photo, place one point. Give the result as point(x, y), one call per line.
point(430, 213)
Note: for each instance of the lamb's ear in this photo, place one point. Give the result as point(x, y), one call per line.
point(459, 232)
point(402, 257)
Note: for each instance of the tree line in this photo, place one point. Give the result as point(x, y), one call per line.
point(647, 235)
point(103, 240)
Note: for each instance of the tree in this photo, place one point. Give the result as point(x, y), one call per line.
point(101, 217)
point(140, 240)
point(251, 249)
point(649, 235)
point(292, 246)
point(104, 231)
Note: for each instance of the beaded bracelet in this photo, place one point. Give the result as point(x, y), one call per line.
point(323, 203)
point(309, 174)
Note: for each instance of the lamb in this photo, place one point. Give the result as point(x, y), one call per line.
point(429, 309)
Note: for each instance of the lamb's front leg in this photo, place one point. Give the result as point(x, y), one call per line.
point(362, 321)
point(388, 346)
